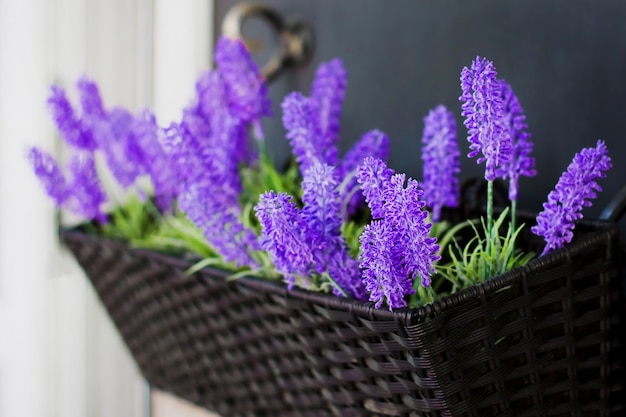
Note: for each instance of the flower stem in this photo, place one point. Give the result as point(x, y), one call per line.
point(513, 215)
point(489, 208)
point(489, 231)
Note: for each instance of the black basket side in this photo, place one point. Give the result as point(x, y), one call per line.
point(220, 345)
point(546, 339)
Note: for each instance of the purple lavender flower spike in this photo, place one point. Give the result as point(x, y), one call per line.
point(219, 223)
point(322, 215)
point(196, 124)
point(245, 86)
point(301, 131)
point(482, 109)
point(50, 175)
point(373, 143)
point(321, 211)
point(396, 248)
point(521, 163)
point(122, 155)
point(87, 193)
point(404, 212)
point(373, 175)
point(69, 125)
point(440, 154)
point(151, 156)
point(90, 99)
point(574, 190)
point(215, 125)
point(327, 95)
point(281, 237)
point(377, 268)
point(184, 154)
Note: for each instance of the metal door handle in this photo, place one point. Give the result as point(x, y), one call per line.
point(295, 36)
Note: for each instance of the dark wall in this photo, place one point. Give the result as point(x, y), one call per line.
point(565, 59)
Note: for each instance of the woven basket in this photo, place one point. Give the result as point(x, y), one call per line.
point(542, 340)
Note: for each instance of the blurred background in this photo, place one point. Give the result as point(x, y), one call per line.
point(59, 354)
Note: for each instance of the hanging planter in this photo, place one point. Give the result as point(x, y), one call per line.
point(543, 338)
point(339, 287)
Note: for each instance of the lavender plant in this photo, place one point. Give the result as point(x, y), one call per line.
point(520, 162)
point(396, 248)
point(440, 154)
point(574, 190)
point(214, 189)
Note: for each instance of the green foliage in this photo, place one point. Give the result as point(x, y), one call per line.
point(133, 220)
point(484, 256)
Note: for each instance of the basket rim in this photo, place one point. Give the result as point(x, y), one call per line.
point(605, 231)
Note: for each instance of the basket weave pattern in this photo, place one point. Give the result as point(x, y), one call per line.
point(545, 339)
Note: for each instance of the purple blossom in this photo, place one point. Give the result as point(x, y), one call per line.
point(282, 235)
point(440, 154)
point(373, 143)
point(521, 163)
point(90, 99)
point(219, 221)
point(221, 137)
point(123, 156)
point(378, 272)
point(322, 215)
point(69, 125)
point(206, 196)
point(327, 95)
point(483, 112)
point(396, 248)
point(576, 186)
point(152, 157)
point(246, 90)
point(301, 131)
point(81, 193)
point(404, 210)
point(87, 193)
point(50, 175)
point(374, 175)
point(229, 136)
point(184, 154)
point(196, 124)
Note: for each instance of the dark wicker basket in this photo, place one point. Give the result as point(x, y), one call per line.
point(542, 340)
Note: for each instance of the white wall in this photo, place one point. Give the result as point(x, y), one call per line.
point(59, 353)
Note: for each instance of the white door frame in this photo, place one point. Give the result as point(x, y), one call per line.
point(59, 353)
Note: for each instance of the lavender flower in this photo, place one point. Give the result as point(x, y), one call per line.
point(397, 248)
point(282, 228)
point(327, 95)
point(87, 193)
point(572, 193)
point(69, 125)
point(184, 153)
point(440, 154)
point(373, 143)
point(221, 136)
point(90, 99)
point(514, 123)
point(150, 155)
point(207, 197)
point(245, 87)
point(322, 215)
point(219, 221)
point(404, 211)
point(373, 175)
point(379, 274)
point(113, 135)
point(301, 131)
point(482, 108)
point(50, 175)
point(82, 193)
